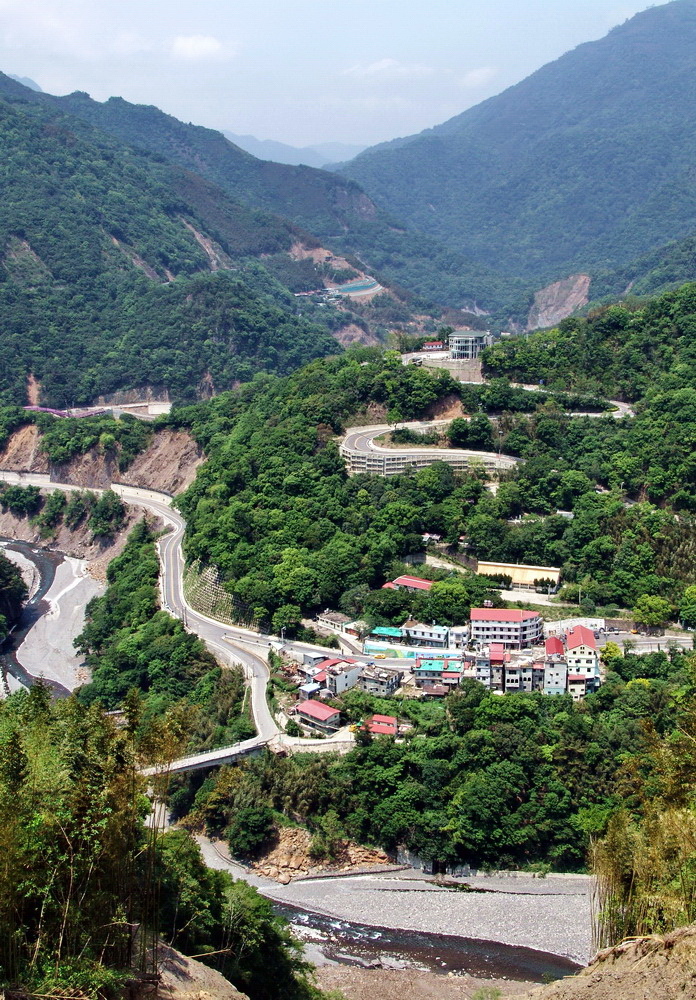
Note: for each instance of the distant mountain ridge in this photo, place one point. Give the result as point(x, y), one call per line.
point(587, 164)
point(334, 210)
point(280, 152)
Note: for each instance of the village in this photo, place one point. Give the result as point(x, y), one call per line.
point(505, 650)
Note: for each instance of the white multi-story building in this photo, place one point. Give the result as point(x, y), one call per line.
point(418, 634)
point(514, 628)
point(581, 655)
point(466, 345)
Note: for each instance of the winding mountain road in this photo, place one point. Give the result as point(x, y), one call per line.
point(230, 644)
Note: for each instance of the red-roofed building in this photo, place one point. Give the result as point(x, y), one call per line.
point(581, 655)
point(554, 647)
point(434, 345)
point(513, 628)
point(389, 586)
point(412, 583)
point(496, 652)
point(382, 725)
point(580, 636)
point(319, 716)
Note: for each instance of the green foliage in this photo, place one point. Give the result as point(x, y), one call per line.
point(107, 516)
point(80, 869)
point(13, 593)
point(105, 286)
point(21, 500)
point(250, 831)
point(651, 610)
point(129, 644)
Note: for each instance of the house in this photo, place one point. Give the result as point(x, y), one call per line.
point(555, 676)
point(429, 536)
point(435, 691)
point(452, 674)
point(418, 634)
point(311, 660)
point(314, 714)
point(309, 690)
point(428, 672)
point(466, 345)
point(341, 674)
point(514, 628)
point(382, 725)
point(387, 633)
point(553, 646)
point(412, 583)
point(334, 621)
point(577, 686)
point(459, 636)
point(434, 345)
point(380, 682)
point(581, 654)
point(483, 670)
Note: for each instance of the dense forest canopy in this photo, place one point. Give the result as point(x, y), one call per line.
point(104, 284)
point(334, 210)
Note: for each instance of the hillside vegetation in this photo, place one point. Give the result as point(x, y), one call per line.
point(80, 870)
point(335, 210)
point(105, 285)
point(586, 164)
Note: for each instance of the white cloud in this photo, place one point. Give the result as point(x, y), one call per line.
point(196, 47)
point(388, 69)
point(479, 77)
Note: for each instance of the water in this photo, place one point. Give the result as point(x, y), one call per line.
point(344, 942)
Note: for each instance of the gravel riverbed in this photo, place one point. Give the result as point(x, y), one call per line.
point(549, 915)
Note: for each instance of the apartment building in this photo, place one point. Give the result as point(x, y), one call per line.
point(511, 627)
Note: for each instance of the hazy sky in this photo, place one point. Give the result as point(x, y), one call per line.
point(301, 71)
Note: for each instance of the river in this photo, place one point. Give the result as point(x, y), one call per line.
point(41, 645)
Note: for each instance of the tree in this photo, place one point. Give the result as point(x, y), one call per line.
point(609, 653)
point(652, 610)
point(250, 830)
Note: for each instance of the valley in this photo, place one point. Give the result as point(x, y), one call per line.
point(348, 515)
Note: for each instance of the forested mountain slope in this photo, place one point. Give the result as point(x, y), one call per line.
point(586, 164)
point(333, 209)
point(118, 270)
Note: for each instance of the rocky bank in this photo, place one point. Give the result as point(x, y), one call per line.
point(290, 858)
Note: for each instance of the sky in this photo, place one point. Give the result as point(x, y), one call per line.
point(298, 71)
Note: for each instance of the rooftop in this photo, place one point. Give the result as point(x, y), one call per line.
point(554, 646)
point(580, 636)
point(413, 581)
point(387, 720)
point(412, 625)
point(315, 709)
point(334, 616)
point(502, 615)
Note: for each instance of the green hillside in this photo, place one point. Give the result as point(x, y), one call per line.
point(585, 165)
point(118, 269)
point(334, 210)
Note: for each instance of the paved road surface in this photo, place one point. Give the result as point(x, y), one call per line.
point(230, 644)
